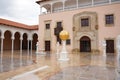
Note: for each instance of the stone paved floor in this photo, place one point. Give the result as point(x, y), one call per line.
point(81, 66)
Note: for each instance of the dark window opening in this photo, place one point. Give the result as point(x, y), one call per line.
point(68, 42)
point(109, 19)
point(59, 24)
point(47, 26)
point(84, 22)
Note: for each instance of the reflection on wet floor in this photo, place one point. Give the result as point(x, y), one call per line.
point(8, 63)
point(81, 66)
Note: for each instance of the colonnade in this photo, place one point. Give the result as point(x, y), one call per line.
point(12, 39)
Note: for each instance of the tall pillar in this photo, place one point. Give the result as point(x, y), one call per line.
point(28, 51)
point(109, 1)
point(21, 51)
point(1, 56)
point(40, 9)
point(12, 43)
point(2, 37)
point(51, 8)
point(12, 55)
point(31, 50)
point(63, 5)
point(77, 3)
point(92, 2)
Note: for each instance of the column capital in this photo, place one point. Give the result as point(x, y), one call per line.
point(13, 38)
point(2, 37)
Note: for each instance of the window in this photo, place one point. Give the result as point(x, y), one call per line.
point(109, 19)
point(68, 42)
point(59, 24)
point(47, 26)
point(84, 22)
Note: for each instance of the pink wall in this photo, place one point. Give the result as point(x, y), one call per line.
point(67, 18)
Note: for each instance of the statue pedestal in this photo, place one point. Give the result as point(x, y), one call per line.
point(63, 53)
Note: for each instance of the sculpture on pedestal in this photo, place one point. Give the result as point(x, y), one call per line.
point(64, 35)
point(104, 47)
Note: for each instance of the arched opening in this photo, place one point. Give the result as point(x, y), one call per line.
point(70, 4)
point(57, 7)
point(85, 44)
point(34, 42)
point(47, 8)
point(7, 43)
point(17, 41)
point(24, 42)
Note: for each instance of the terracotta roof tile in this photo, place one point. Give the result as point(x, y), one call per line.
point(39, 1)
point(18, 25)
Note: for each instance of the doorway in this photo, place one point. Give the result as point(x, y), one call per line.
point(47, 46)
point(85, 44)
point(109, 46)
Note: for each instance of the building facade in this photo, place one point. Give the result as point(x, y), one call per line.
point(17, 36)
point(92, 24)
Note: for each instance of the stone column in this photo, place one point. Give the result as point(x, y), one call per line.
point(40, 9)
point(28, 55)
point(109, 1)
point(104, 48)
point(2, 37)
point(21, 38)
point(63, 5)
point(31, 50)
point(12, 43)
point(1, 56)
point(51, 7)
point(77, 3)
point(12, 55)
point(92, 2)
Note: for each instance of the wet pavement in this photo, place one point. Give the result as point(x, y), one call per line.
point(81, 66)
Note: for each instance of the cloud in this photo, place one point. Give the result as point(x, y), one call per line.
point(24, 11)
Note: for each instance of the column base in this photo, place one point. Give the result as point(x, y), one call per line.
point(63, 56)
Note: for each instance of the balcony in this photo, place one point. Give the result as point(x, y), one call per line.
point(60, 5)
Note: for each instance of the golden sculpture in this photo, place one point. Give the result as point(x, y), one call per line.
point(64, 35)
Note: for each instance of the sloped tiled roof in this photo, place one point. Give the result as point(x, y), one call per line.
point(39, 1)
point(18, 25)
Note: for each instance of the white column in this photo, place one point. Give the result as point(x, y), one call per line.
point(77, 3)
point(1, 56)
point(12, 55)
point(21, 51)
point(51, 7)
point(92, 2)
point(31, 51)
point(104, 47)
point(2, 37)
point(109, 1)
point(63, 5)
point(40, 10)
point(12, 44)
point(28, 51)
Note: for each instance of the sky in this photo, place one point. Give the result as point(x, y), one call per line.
point(22, 11)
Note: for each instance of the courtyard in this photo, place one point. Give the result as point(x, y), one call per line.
point(81, 66)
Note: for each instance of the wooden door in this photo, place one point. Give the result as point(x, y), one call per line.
point(109, 46)
point(47, 45)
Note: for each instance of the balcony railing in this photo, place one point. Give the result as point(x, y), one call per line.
point(83, 5)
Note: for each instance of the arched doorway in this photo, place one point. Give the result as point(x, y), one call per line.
point(85, 44)
point(34, 42)
point(7, 41)
point(17, 41)
point(24, 42)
